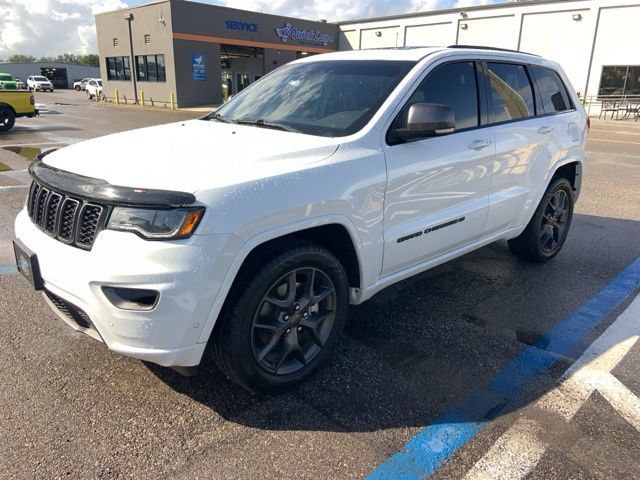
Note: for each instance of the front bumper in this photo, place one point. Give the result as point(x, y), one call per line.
point(182, 271)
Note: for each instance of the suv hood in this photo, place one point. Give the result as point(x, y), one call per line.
point(192, 155)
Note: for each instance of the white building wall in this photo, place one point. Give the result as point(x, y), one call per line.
point(429, 34)
point(582, 35)
point(617, 41)
point(501, 32)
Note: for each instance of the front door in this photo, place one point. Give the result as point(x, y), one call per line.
point(437, 196)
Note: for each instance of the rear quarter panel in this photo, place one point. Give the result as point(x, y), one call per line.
point(19, 101)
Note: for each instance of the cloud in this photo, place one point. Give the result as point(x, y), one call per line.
point(50, 27)
point(336, 10)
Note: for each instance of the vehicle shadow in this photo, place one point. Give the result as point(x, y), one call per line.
point(424, 346)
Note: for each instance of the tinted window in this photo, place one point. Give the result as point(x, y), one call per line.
point(553, 95)
point(454, 85)
point(623, 80)
point(510, 92)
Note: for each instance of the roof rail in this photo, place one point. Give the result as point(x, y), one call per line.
point(480, 47)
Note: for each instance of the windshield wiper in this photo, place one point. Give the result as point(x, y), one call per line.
point(220, 118)
point(265, 124)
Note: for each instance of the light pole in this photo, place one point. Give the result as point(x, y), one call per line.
point(129, 17)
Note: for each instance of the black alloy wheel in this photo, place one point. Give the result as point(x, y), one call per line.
point(554, 221)
point(548, 228)
point(294, 321)
point(282, 319)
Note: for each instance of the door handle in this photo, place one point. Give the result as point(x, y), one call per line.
point(545, 129)
point(480, 144)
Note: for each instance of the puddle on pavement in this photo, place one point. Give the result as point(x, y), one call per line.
point(28, 153)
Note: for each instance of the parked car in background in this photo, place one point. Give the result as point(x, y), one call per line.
point(94, 89)
point(81, 84)
point(7, 82)
point(14, 104)
point(328, 180)
point(38, 82)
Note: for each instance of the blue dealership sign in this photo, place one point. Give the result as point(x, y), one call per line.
point(198, 67)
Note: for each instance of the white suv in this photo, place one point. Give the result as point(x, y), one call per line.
point(94, 89)
point(331, 178)
point(38, 82)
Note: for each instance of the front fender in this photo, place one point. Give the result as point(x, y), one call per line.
point(246, 247)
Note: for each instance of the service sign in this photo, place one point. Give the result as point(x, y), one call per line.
point(198, 71)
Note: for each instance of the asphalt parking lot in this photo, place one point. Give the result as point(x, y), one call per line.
point(462, 370)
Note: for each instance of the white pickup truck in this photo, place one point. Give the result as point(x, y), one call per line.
point(252, 230)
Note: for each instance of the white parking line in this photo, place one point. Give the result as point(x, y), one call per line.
point(516, 453)
point(30, 144)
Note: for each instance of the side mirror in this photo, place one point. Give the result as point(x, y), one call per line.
point(426, 120)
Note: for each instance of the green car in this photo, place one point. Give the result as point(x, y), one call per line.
point(7, 82)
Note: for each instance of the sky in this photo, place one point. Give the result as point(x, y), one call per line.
point(52, 27)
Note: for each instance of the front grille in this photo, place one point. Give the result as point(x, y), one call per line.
point(70, 220)
point(69, 310)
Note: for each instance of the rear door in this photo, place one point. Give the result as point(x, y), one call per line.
point(526, 144)
point(437, 189)
point(555, 102)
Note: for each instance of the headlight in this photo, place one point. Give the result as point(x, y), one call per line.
point(156, 224)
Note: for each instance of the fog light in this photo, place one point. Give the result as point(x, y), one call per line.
point(131, 298)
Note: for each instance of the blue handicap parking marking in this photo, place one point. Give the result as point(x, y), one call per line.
point(448, 432)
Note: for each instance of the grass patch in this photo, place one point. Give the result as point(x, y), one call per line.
point(4, 168)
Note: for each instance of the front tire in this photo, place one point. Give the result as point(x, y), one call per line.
point(279, 327)
point(547, 231)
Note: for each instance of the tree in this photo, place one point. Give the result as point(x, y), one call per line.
point(90, 59)
point(22, 58)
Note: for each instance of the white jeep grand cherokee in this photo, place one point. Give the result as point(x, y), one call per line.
point(331, 178)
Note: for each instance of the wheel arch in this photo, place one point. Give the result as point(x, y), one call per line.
point(3, 104)
point(571, 169)
point(336, 234)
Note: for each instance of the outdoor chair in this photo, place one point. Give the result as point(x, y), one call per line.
point(609, 107)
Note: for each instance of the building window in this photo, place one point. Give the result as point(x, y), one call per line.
point(147, 39)
point(150, 68)
point(620, 80)
point(115, 42)
point(118, 68)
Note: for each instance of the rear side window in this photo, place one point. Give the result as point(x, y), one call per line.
point(510, 92)
point(453, 84)
point(553, 94)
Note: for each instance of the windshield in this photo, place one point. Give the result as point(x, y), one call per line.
point(331, 98)
point(5, 77)
point(41, 79)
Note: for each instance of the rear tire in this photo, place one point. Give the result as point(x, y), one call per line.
point(547, 231)
point(277, 328)
point(7, 119)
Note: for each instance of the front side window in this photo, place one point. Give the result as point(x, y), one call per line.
point(454, 85)
point(331, 98)
point(553, 95)
point(118, 68)
point(510, 92)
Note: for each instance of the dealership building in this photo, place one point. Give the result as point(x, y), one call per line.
point(199, 54)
